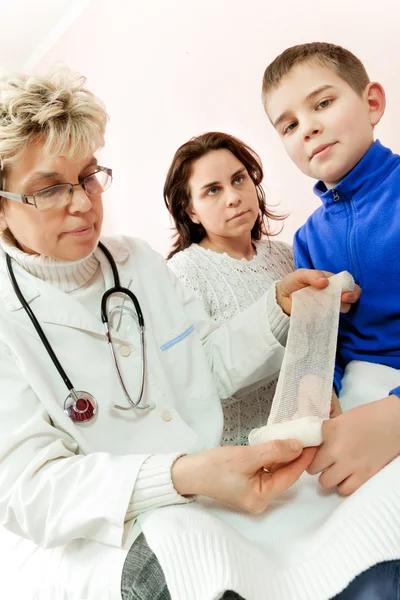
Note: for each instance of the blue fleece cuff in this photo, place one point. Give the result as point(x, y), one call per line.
point(395, 391)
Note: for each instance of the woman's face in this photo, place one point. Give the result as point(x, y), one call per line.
point(68, 233)
point(223, 196)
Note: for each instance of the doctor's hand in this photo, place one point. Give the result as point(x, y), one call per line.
point(358, 444)
point(234, 475)
point(305, 277)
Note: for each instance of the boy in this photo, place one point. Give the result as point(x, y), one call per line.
point(324, 107)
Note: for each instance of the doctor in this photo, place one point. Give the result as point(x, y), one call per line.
point(90, 439)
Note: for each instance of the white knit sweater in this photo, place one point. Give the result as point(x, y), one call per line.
point(227, 286)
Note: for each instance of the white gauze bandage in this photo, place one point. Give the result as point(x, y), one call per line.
point(303, 394)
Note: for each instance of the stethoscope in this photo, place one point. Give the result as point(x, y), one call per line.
point(82, 406)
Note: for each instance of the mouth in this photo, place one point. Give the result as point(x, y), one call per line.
point(85, 230)
point(321, 150)
point(238, 215)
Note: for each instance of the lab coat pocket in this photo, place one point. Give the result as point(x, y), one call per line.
point(191, 383)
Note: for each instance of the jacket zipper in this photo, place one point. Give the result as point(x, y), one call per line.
point(350, 236)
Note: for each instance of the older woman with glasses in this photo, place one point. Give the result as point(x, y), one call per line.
point(80, 465)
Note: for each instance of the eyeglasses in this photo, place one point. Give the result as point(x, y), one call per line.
point(57, 196)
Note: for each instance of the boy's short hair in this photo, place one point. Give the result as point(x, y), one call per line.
point(336, 58)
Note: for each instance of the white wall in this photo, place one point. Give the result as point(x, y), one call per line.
point(30, 27)
point(171, 69)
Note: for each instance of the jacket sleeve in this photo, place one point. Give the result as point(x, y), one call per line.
point(49, 493)
point(244, 350)
point(302, 258)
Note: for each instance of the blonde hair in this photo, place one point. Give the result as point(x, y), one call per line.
point(338, 59)
point(55, 107)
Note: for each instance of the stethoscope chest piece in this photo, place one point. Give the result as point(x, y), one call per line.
point(80, 407)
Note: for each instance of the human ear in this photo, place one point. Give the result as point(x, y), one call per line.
point(374, 95)
point(192, 215)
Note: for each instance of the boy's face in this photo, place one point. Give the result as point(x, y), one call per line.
point(325, 126)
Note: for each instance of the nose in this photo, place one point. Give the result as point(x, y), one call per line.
point(311, 129)
point(80, 201)
point(233, 198)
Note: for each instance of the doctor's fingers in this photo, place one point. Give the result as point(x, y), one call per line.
point(282, 478)
point(273, 453)
point(308, 452)
point(322, 461)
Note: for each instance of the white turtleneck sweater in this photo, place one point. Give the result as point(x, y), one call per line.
point(84, 280)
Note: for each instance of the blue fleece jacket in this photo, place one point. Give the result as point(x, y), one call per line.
point(357, 229)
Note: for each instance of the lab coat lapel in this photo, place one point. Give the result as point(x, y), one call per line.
point(62, 308)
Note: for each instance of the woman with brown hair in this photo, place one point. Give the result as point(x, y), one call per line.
point(222, 248)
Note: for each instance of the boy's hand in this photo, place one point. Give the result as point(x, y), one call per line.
point(358, 444)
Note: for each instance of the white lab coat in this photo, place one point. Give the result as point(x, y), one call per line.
point(65, 488)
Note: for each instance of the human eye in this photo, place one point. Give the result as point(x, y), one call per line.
point(51, 197)
point(290, 127)
point(212, 191)
point(52, 192)
point(95, 183)
point(324, 103)
point(239, 179)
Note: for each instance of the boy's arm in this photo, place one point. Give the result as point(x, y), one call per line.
point(358, 444)
point(302, 259)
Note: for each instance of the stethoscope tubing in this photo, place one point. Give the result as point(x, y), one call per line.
point(116, 289)
point(37, 326)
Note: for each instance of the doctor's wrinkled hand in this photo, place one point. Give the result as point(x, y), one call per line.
point(309, 277)
point(246, 477)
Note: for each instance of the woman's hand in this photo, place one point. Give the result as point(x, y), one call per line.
point(234, 475)
point(358, 444)
point(305, 277)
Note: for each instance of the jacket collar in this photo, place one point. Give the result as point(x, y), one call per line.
point(62, 308)
point(365, 176)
